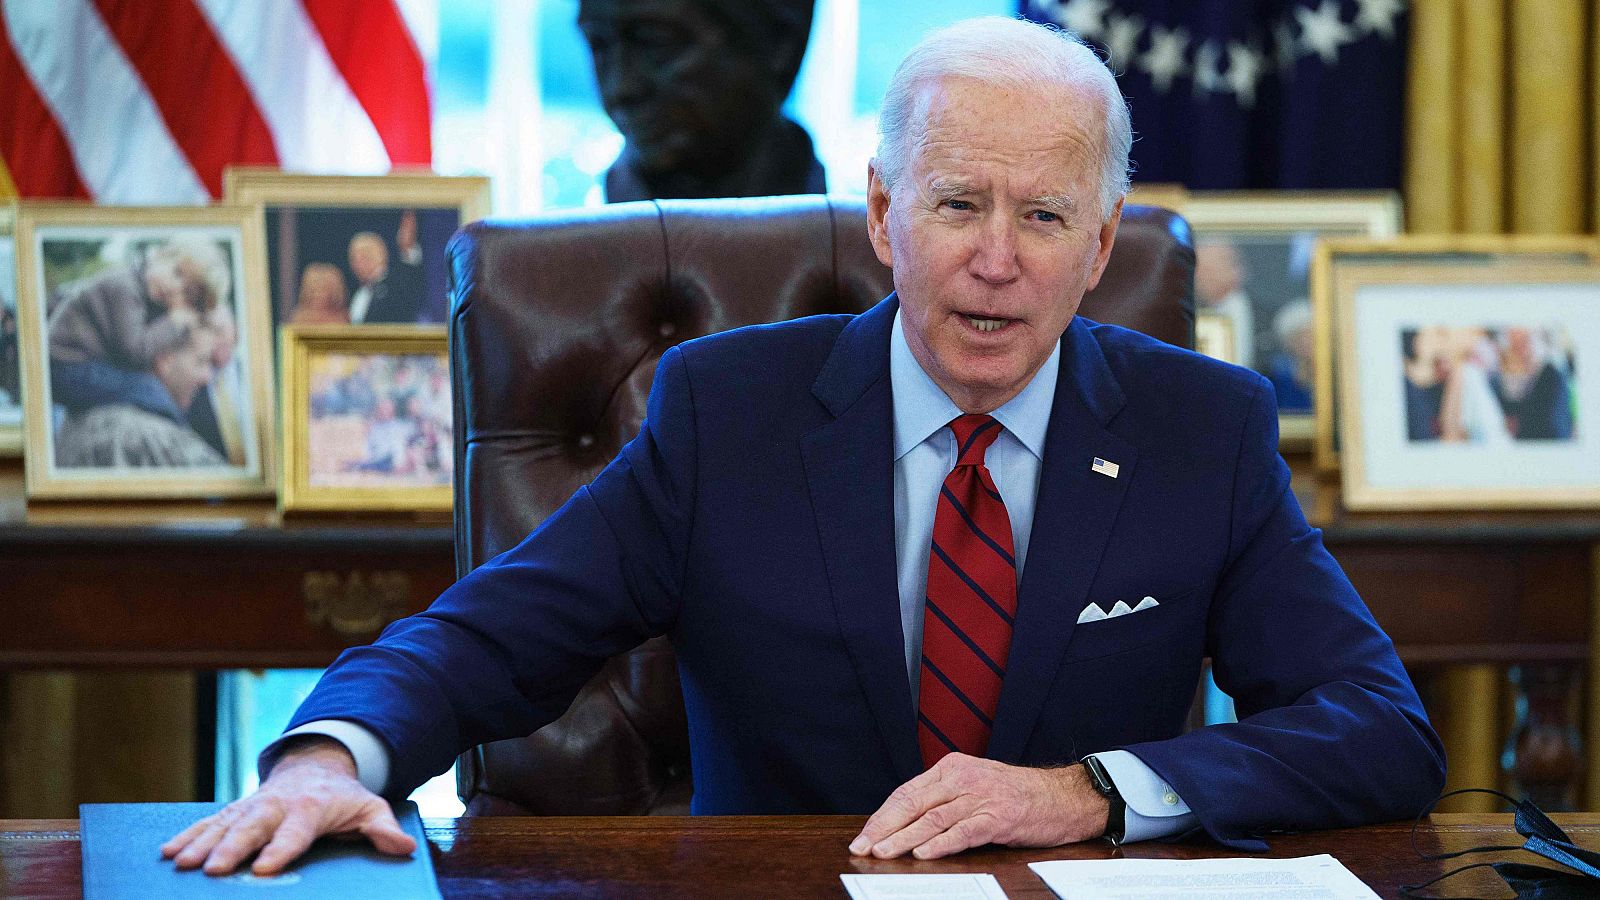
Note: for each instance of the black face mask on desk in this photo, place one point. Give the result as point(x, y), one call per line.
point(1544, 838)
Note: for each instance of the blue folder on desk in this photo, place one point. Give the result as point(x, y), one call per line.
point(122, 858)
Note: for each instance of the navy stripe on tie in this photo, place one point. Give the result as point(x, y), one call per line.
point(937, 733)
point(939, 551)
point(965, 517)
point(982, 656)
point(974, 435)
point(957, 691)
point(989, 492)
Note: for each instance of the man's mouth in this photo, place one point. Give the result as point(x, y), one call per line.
point(987, 324)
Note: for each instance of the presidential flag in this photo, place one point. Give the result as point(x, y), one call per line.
point(146, 101)
point(1283, 94)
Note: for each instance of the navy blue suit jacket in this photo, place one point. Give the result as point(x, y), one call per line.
point(751, 521)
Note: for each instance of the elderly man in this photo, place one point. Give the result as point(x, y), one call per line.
point(956, 560)
point(387, 291)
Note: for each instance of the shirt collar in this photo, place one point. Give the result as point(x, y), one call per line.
point(921, 408)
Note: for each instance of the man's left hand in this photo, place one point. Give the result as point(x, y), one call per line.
point(964, 801)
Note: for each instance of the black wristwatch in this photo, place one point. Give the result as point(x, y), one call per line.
point(1117, 815)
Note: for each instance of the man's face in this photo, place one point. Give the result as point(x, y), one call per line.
point(994, 233)
point(189, 368)
point(369, 260)
point(679, 88)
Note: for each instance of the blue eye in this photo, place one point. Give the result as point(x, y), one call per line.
point(1047, 216)
point(961, 205)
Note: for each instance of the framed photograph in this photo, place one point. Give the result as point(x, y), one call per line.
point(1469, 387)
point(358, 249)
point(1213, 336)
point(1445, 252)
point(366, 419)
point(1169, 195)
point(1253, 253)
point(144, 352)
point(10, 340)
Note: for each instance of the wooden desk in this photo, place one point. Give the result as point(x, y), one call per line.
point(790, 856)
point(207, 586)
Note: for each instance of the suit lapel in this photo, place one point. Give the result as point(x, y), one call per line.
point(1072, 522)
point(849, 467)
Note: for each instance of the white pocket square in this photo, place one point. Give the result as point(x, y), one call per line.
point(1093, 612)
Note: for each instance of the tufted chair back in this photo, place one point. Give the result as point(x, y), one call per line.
point(555, 330)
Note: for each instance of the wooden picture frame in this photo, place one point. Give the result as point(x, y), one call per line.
point(1446, 251)
point(1213, 337)
point(1254, 252)
point(162, 405)
point(315, 222)
point(11, 413)
point(1165, 194)
point(407, 469)
point(1474, 386)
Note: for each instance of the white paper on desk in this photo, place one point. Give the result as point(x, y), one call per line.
point(923, 887)
point(1305, 878)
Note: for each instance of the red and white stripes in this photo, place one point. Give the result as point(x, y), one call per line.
point(146, 101)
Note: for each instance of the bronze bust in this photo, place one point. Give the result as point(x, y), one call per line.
point(697, 87)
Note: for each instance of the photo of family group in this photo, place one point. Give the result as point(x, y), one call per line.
point(379, 420)
point(141, 348)
point(358, 265)
point(1489, 385)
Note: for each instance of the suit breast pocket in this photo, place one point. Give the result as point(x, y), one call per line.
point(1163, 618)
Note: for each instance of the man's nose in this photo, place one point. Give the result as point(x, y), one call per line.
point(994, 259)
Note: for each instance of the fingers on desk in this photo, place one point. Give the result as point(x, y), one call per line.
point(385, 833)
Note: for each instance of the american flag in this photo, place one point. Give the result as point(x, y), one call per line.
point(146, 101)
point(1283, 94)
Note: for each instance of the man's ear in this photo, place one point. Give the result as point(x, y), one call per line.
point(878, 215)
point(1108, 236)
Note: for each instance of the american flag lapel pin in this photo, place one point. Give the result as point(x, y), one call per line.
point(1108, 469)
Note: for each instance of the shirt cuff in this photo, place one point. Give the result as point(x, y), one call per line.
point(372, 757)
point(1154, 809)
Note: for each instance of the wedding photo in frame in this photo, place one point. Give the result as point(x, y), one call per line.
point(366, 419)
point(1253, 255)
point(145, 352)
point(10, 339)
point(1447, 252)
point(1476, 387)
point(358, 249)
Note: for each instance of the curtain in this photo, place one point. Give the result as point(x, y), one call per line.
point(1501, 125)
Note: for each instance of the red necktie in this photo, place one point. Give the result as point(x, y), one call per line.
point(972, 603)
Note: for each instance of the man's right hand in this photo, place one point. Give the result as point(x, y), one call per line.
point(312, 791)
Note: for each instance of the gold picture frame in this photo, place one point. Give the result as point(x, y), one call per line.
point(314, 222)
point(11, 413)
point(1266, 238)
point(235, 379)
point(1165, 194)
point(1473, 388)
point(413, 473)
point(1332, 255)
point(1213, 337)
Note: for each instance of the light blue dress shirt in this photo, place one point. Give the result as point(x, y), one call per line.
point(924, 453)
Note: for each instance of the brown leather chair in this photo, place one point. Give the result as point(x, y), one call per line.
point(555, 331)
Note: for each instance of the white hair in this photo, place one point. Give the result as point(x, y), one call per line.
point(1011, 53)
point(1291, 318)
point(208, 257)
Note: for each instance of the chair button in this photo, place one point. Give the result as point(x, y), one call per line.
point(666, 329)
point(585, 441)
